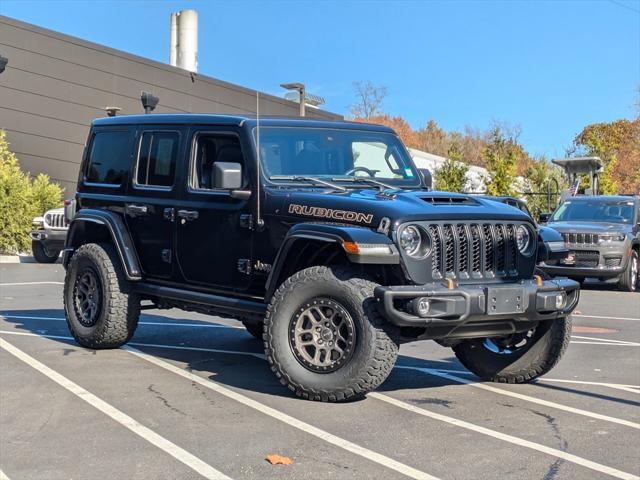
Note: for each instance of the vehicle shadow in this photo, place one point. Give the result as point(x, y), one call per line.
point(232, 357)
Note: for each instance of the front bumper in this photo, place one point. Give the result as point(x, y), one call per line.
point(478, 310)
point(50, 238)
point(602, 258)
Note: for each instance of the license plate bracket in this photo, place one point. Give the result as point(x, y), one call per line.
point(505, 300)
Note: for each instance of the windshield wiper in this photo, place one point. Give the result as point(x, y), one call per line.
point(303, 178)
point(382, 186)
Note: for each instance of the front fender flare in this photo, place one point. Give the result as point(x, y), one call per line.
point(119, 236)
point(362, 245)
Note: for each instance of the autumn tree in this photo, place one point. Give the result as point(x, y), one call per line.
point(369, 100)
point(399, 124)
point(542, 193)
point(452, 175)
point(433, 139)
point(501, 154)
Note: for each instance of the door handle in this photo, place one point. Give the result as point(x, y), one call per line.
point(188, 214)
point(137, 210)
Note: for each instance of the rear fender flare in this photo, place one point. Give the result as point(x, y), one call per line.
point(118, 232)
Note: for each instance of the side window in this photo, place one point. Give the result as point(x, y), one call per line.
point(157, 159)
point(108, 158)
point(209, 149)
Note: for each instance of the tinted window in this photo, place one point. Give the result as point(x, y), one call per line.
point(109, 158)
point(212, 148)
point(157, 159)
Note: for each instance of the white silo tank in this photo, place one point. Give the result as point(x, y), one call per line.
point(173, 41)
point(187, 40)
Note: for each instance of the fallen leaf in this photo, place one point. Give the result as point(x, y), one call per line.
point(278, 460)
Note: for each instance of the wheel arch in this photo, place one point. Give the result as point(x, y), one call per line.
point(100, 226)
point(328, 244)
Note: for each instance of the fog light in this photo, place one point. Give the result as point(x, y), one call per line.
point(561, 300)
point(422, 306)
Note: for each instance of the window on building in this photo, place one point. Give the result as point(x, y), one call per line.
point(157, 159)
point(109, 158)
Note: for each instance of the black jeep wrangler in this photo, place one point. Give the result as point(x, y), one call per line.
point(321, 237)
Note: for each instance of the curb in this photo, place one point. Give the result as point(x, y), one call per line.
point(13, 259)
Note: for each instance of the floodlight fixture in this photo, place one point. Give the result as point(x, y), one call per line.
point(112, 111)
point(301, 91)
point(3, 63)
point(149, 101)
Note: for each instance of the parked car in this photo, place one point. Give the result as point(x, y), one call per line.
point(48, 235)
point(321, 237)
point(603, 236)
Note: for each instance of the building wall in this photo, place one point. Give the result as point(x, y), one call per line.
point(54, 85)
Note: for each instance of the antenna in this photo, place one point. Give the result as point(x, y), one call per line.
point(259, 221)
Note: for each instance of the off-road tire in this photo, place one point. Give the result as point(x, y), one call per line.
point(41, 254)
point(626, 283)
point(120, 306)
point(376, 341)
point(551, 339)
point(255, 329)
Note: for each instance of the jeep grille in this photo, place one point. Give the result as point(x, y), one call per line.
point(478, 250)
point(581, 238)
point(55, 220)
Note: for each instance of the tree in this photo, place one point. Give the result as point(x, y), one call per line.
point(501, 155)
point(369, 100)
point(21, 199)
point(540, 179)
point(433, 139)
point(399, 124)
point(452, 176)
point(616, 143)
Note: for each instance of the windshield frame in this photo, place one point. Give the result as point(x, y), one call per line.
point(416, 181)
point(611, 202)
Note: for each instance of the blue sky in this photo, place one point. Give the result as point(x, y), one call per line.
point(550, 67)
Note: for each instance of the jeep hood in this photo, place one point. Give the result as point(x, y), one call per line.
point(588, 227)
point(369, 206)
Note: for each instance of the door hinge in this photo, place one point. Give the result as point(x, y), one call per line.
point(246, 221)
point(169, 214)
point(166, 255)
point(244, 266)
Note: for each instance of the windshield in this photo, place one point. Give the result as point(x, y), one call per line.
point(336, 155)
point(595, 211)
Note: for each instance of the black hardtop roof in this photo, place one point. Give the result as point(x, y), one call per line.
point(234, 119)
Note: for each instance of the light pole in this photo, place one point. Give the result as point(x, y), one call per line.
point(149, 101)
point(3, 63)
point(301, 91)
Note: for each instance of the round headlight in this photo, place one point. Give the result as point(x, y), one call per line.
point(410, 240)
point(523, 239)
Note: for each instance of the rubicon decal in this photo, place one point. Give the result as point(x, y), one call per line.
point(330, 213)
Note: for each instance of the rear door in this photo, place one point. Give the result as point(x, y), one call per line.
point(213, 229)
point(150, 211)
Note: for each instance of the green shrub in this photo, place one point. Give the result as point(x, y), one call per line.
point(21, 199)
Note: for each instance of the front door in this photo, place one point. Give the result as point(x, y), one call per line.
point(150, 213)
point(213, 234)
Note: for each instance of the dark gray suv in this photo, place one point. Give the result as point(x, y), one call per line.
point(603, 236)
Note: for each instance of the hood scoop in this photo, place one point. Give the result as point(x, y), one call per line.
point(444, 200)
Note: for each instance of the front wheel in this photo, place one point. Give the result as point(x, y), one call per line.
point(629, 279)
point(43, 254)
point(324, 337)
point(517, 358)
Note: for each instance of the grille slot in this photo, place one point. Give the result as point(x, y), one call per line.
point(463, 251)
point(581, 238)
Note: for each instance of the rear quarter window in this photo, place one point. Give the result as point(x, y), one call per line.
point(109, 158)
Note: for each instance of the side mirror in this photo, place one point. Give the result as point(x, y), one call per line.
point(544, 217)
point(227, 175)
point(427, 179)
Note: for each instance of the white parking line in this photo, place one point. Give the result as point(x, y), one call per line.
point(609, 340)
point(3, 476)
point(17, 284)
point(143, 322)
point(617, 386)
point(580, 342)
point(123, 419)
point(520, 396)
point(283, 417)
point(633, 319)
point(508, 438)
point(294, 422)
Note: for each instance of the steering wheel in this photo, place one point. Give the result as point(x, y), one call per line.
point(371, 173)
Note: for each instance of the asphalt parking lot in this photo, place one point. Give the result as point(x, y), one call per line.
point(193, 397)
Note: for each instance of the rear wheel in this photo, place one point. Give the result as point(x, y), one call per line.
point(517, 358)
point(42, 254)
point(630, 278)
point(324, 337)
point(101, 309)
